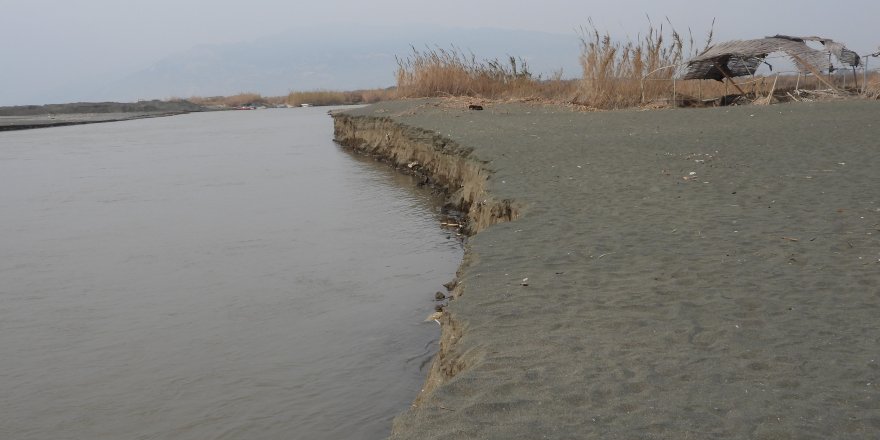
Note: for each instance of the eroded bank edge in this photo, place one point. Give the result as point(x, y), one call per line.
point(454, 170)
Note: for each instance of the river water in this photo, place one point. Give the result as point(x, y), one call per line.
point(229, 275)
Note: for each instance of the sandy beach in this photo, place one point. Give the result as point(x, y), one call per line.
point(691, 274)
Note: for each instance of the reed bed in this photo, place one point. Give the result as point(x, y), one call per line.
point(335, 97)
point(620, 74)
point(642, 72)
point(443, 72)
point(230, 101)
point(315, 97)
point(873, 88)
point(615, 74)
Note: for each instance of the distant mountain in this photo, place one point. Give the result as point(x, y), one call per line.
point(347, 59)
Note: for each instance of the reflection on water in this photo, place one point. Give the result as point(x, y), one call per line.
point(211, 276)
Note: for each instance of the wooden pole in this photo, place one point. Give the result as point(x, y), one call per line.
point(813, 70)
point(642, 90)
point(772, 89)
point(724, 72)
point(855, 79)
point(830, 68)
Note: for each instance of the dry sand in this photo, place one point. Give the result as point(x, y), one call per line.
point(693, 274)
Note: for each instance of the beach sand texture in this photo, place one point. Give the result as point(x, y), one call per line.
point(692, 274)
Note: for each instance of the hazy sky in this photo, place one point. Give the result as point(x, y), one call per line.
point(49, 43)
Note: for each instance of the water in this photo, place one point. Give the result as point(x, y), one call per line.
point(228, 275)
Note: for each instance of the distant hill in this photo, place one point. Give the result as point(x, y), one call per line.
point(347, 59)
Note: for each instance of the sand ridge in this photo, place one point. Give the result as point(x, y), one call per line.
point(709, 273)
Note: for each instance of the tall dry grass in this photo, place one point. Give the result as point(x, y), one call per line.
point(452, 72)
point(316, 97)
point(616, 74)
point(872, 90)
point(619, 74)
point(230, 101)
point(335, 97)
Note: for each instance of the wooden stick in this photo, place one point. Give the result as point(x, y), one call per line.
point(855, 78)
point(773, 88)
point(815, 72)
point(724, 72)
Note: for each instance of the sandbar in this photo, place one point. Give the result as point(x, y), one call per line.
point(691, 273)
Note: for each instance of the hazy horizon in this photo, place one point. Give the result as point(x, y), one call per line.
point(68, 48)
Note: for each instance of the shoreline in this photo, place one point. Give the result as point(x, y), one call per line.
point(26, 117)
point(690, 272)
point(8, 123)
point(438, 161)
point(462, 179)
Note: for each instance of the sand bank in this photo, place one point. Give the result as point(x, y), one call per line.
point(44, 121)
point(709, 273)
point(56, 115)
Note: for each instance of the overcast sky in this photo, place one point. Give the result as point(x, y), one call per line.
point(46, 43)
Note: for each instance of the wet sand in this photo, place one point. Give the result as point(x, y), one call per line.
point(710, 273)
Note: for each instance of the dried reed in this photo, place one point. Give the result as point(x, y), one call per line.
point(334, 97)
point(229, 101)
point(452, 72)
point(626, 74)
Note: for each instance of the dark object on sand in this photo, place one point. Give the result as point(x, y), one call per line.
point(475, 107)
point(439, 296)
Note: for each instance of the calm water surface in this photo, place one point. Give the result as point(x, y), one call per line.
point(225, 275)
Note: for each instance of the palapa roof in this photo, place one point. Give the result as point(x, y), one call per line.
point(742, 57)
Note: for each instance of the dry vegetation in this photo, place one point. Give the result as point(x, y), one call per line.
point(316, 98)
point(615, 74)
point(452, 72)
point(230, 101)
point(626, 74)
point(873, 89)
point(333, 97)
point(643, 72)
